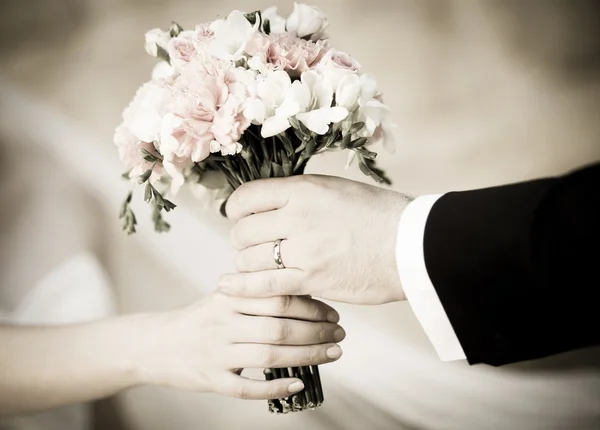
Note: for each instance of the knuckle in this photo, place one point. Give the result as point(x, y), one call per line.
point(313, 355)
point(234, 236)
point(279, 331)
point(272, 393)
point(267, 357)
point(241, 392)
point(322, 333)
point(317, 311)
point(283, 304)
point(241, 262)
point(272, 285)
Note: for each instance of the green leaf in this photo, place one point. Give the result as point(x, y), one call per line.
point(357, 143)
point(125, 175)
point(252, 16)
point(332, 139)
point(127, 215)
point(346, 141)
point(145, 176)
point(369, 168)
point(160, 225)
point(266, 26)
point(169, 205)
point(123, 210)
point(366, 153)
point(158, 198)
point(294, 122)
point(287, 143)
point(356, 127)
point(367, 171)
point(277, 170)
point(310, 148)
point(301, 148)
point(148, 156)
point(299, 135)
point(148, 193)
point(300, 163)
point(265, 150)
point(286, 164)
point(162, 54)
point(265, 169)
point(175, 29)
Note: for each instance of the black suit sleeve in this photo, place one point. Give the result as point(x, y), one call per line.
point(517, 267)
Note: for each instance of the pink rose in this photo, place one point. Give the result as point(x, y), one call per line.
point(335, 65)
point(202, 37)
point(206, 114)
point(181, 49)
point(343, 61)
point(204, 33)
point(294, 55)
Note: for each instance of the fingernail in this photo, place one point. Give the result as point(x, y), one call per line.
point(334, 352)
point(295, 387)
point(339, 335)
point(333, 317)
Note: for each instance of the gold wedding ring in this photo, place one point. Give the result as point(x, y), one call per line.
point(277, 254)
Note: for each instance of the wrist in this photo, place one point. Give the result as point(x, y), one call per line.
point(398, 204)
point(136, 364)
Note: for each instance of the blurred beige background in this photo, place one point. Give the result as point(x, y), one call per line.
point(483, 93)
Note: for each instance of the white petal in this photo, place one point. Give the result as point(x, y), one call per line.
point(177, 178)
point(168, 144)
point(318, 120)
point(274, 88)
point(296, 100)
point(255, 110)
point(348, 91)
point(276, 22)
point(320, 90)
point(368, 87)
point(274, 126)
point(145, 125)
point(215, 146)
point(351, 158)
point(231, 148)
point(375, 111)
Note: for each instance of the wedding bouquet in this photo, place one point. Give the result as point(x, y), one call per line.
point(247, 97)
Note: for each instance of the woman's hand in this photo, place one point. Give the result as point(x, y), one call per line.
point(205, 346)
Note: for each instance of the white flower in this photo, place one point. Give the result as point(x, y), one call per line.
point(307, 21)
point(276, 22)
point(271, 91)
point(163, 70)
point(156, 37)
point(144, 117)
point(360, 96)
point(309, 100)
point(318, 113)
point(348, 91)
point(231, 36)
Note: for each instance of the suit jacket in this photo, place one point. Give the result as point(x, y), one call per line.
point(517, 267)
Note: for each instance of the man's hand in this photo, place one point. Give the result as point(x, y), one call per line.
point(339, 239)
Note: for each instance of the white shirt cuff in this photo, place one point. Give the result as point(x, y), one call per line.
point(417, 286)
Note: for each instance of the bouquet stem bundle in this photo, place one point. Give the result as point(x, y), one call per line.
point(309, 398)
